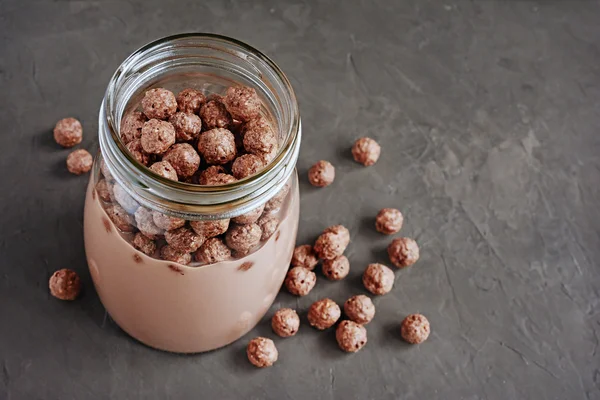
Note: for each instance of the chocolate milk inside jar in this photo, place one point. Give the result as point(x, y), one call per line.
point(136, 219)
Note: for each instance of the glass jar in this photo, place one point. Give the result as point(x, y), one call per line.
point(161, 299)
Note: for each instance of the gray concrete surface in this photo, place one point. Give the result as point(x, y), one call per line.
point(489, 117)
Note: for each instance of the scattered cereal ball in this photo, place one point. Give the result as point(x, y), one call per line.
point(159, 103)
point(277, 201)
point(366, 151)
point(145, 223)
point(389, 221)
point(187, 126)
point(259, 137)
point(340, 231)
point(105, 171)
point(190, 100)
point(285, 322)
point(104, 190)
point(169, 253)
point(164, 169)
point(210, 228)
point(268, 223)
point(337, 268)
point(215, 115)
point(300, 281)
point(79, 162)
point(242, 238)
point(184, 239)
point(131, 126)
point(210, 172)
point(246, 165)
point(137, 151)
point(332, 242)
point(321, 174)
point(242, 102)
point(304, 256)
point(360, 309)
point(250, 217)
point(124, 199)
point(219, 179)
point(262, 352)
point(68, 132)
point(378, 279)
point(183, 158)
point(157, 136)
point(415, 329)
point(351, 337)
point(144, 244)
point(65, 284)
point(212, 251)
point(403, 252)
point(323, 314)
point(217, 146)
point(167, 222)
point(120, 218)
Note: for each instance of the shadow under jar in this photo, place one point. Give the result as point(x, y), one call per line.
point(178, 302)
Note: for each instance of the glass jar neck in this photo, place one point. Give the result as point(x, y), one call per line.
point(190, 57)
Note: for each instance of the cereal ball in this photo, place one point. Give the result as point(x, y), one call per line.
point(169, 253)
point(145, 223)
point(131, 126)
point(65, 284)
point(277, 201)
point(144, 244)
point(104, 190)
point(210, 228)
point(79, 162)
point(217, 146)
point(323, 314)
point(184, 239)
point(321, 174)
point(304, 256)
point(215, 115)
point(403, 252)
point(68, 132)
point(340, 231)
point(242, 238)
point(190, 100)
point(389, 221)
point(124, 199)
point(242, 102)
point(415, 329)
point(250, 217)
point(164, 169)
point(332, 242)
point(105, 171)
point(336, 269)
point(219, 179)
point(360, 309)
point(183, 158)
point(300, 281)
point(268, 224)
point(167, 222)
point(159, 103)
point(259, 137)
point(285, 322)
point(157, 136)
point(246, 165)
point(137, 151)
point(120, 218)
point(262, 352)
point(210, 172)
point(378, 279)
point(213, 251)
point(187, 126)
point(351, 337)
point(366, 151)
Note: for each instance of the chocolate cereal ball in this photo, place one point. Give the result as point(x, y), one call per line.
point(304, 256)
point(259, 137)
point(105, 190)
point(79, 162)
point(332, 242)
point(65, 284)
point(277, 201)
point(366, 151)
point(213, 251)
point(217, 146)
point(210, 228)
point(250, 217)
point(337, 268)
point(159, 103)
point(164, 169)
point(246, 165)
point(415, 329)
point(242, 238)
point(359, 309)
point(187, 126)
point(137, 151)
point(131, 126)
point(323, 314)
point(167, 222)
point(403, 252)
point(242, 102)
point(268, 223)
point(378, 279)
point(145, 223)
point(351, 337)
point(206, 175)
point(215, 115)
point(144, 244)
point(68, 132)
point(219, 179)
point(261, 352)
point(321, 174)
point(169, 253)
point(184, 239)
point(300, 281)
point(157, 136)
point(190, 100)
point(120, 218)
point(183, 158)
point(389, 221)
point(285, 322)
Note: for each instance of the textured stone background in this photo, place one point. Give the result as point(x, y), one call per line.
point(489, 117)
